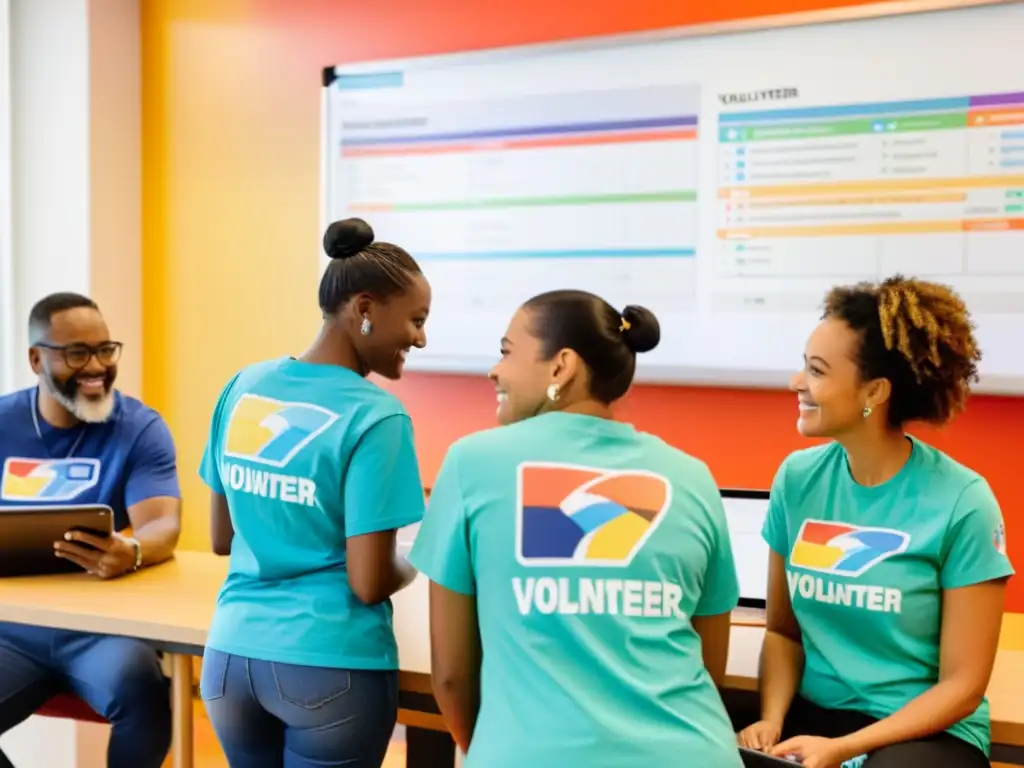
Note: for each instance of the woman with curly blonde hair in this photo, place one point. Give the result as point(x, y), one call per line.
point(888, 563)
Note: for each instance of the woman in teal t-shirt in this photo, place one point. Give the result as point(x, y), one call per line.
point(312, 469)
point(577, 565)
point(888, 563)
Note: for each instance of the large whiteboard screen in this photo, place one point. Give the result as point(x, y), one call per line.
point(726, 182)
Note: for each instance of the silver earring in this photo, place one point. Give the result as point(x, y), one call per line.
point(867, 411)
point(366, 327)
point(553, 392)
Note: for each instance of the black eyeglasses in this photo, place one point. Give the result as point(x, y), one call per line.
point(77, 356)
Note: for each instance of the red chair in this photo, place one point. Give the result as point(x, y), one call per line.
point(67, 706)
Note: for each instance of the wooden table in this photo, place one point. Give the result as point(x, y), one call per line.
point(168, 605)
point(171, 606)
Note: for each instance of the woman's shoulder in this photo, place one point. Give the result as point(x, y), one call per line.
point(944, 475)
point(670, 460)
point(936, 461)
point(492, 442)
point(809, 461)
point(250, 377)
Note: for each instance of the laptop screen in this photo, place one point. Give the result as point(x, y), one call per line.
point(745, 512)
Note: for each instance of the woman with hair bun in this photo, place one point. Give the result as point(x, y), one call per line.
point(888, 565)
point(581, 572)
point(312, 469)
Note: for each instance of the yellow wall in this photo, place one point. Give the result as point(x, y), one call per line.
point(230, 214)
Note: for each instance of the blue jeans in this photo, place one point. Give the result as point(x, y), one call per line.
point(120, 678)
point(270, 715)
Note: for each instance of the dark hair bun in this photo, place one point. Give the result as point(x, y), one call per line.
point(346, 238)
point(644, 331)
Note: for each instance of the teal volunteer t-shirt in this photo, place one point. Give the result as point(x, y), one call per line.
point(307, 455)
point(588, 547)
point(866, 568)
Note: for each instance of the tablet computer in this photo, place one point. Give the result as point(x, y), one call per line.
point(27, 535)
point(754, 759)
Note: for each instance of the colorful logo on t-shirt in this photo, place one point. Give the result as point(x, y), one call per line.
point(844, 550)
point(999, 538)
point(48, 480)
point(270, 431)
point(580, 516)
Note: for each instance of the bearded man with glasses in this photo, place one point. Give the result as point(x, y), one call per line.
point(73, 439)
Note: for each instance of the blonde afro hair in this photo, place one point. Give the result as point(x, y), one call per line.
point(920, 337)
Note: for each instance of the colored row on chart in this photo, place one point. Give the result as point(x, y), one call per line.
point(892, 198)
point(669, 252)
point(874, 118)
point(670, 196)
point(1014, 187)
point(669, 128)
point(881, 228)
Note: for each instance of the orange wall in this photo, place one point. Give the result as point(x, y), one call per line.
point(231, 218)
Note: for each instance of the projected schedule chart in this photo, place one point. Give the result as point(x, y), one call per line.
point(500, 200)
point(809, 197)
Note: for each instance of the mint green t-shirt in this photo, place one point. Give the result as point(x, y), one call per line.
point(307, 456)
point(588, 546)
point(867, 566)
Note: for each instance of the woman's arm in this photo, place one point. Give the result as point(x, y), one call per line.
point(711, 617)
point(222, 532)
point(375, 568)
point(714, 643)
point(455, 660)
point(383, 493)
point(782, 655)
point(443, 552)
point(971, 620)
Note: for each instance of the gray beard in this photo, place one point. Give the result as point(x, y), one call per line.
point(84, 409)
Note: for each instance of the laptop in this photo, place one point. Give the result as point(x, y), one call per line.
point(27, 535)
point(745, 513)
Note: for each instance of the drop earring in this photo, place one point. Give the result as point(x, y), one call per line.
point(366, 327)
point(867, 411)
point(553, 393)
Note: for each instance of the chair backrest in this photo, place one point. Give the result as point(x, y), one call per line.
point(754, 759)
